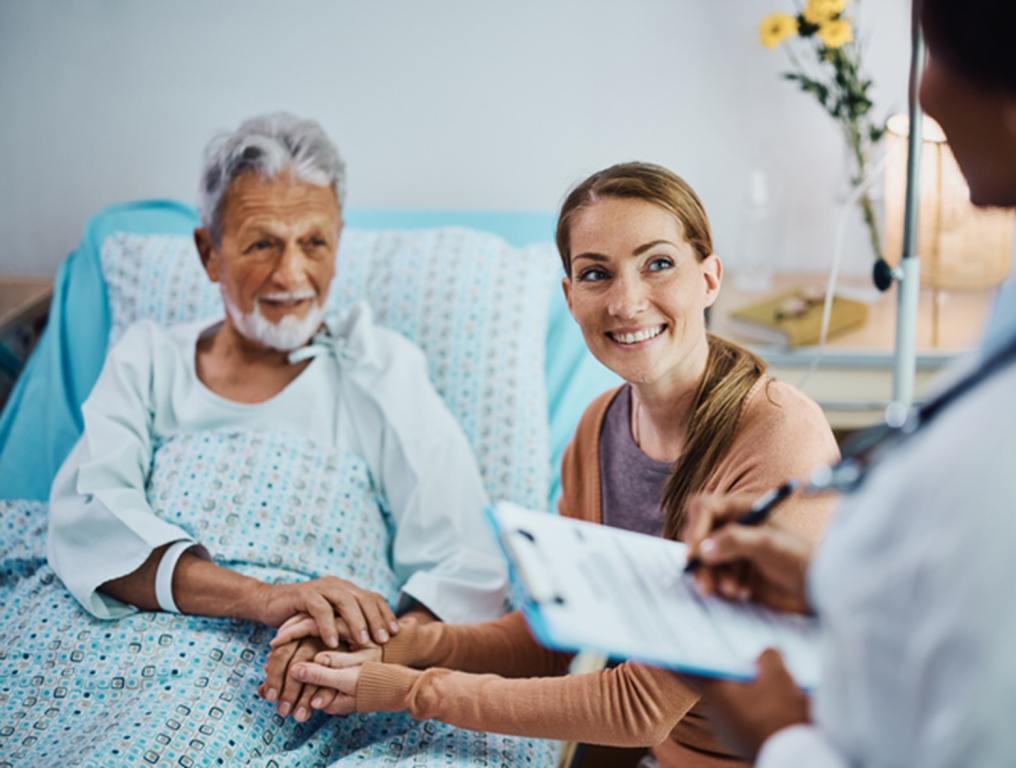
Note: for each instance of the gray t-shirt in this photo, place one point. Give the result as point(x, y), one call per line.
point(631, 483)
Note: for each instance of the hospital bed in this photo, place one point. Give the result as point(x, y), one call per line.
point(42, 418)
point(101, 287)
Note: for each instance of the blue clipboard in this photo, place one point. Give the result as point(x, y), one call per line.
point(621, 594)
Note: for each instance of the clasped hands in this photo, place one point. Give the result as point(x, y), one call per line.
point(329, 621)
point(308, 670)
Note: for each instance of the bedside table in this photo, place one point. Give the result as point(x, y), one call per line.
point(853, 381)
point(24, 307)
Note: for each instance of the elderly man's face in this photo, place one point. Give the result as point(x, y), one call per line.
point(276, 254)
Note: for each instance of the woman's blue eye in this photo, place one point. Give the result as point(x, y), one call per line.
point(593, 275)
point(657, 265)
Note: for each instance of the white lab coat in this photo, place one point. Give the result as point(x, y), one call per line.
point(913, 585)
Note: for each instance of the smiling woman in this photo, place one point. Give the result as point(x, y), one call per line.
point(637, 251)
point(696, 414)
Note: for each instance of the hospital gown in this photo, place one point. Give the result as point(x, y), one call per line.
point(355, 469)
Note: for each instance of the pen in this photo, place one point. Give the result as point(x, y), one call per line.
point(759, 511)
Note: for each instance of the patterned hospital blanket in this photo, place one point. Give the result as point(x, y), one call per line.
point(167, 690)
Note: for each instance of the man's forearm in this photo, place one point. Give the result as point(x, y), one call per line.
point(199, 587)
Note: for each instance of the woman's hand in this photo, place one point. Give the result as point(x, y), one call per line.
point(302, 625)
point(323, 599)
point(765, 563)
point(289, 694)
point(334, 676)
point(744, 715)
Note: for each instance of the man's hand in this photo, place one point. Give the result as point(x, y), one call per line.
point(289, 694)
point(323, 599)
point(766, 563)
point(304, 625)
point(744, 715)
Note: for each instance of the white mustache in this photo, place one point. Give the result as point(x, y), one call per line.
point(306, 293)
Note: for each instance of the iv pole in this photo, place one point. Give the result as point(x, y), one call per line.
point(908, 274)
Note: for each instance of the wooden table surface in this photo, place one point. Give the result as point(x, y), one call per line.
point(20, 297)
point(852, 380)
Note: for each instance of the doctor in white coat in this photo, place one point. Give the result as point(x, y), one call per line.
point(913, 581)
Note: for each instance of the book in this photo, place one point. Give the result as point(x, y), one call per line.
point(794, 318)
point(625, 595)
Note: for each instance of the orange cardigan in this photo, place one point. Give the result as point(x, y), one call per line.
point(505, 682)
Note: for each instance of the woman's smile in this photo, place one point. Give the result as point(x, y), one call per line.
point(636, 337)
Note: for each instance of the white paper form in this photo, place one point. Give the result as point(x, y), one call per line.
point(623, 594)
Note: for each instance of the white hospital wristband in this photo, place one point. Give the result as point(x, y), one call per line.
point(164, 575)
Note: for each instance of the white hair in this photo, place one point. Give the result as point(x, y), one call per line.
point(289, 333)
point(269, 145)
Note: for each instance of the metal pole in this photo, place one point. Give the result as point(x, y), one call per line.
point(908, 288)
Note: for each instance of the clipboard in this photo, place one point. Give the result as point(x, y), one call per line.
point(624, 595)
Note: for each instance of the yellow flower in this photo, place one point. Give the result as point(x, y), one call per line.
point(819, 11)
point(775, 28)
point(836, 33)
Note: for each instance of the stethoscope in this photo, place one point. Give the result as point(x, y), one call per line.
point(864, 450)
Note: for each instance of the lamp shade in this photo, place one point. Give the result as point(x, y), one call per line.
point(961, 247)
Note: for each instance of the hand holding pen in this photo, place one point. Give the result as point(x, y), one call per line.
point(756, 514)
point(732, 555)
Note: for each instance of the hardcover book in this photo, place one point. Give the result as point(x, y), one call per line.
point(794, 318)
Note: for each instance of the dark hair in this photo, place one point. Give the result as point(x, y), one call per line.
point(974, 38)
point(731, 371)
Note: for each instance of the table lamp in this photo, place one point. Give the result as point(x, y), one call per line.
point(961, 247)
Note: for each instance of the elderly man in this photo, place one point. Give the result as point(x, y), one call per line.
point(267, 464)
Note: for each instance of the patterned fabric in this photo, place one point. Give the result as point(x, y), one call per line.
point(477, 306)
point(164, 689)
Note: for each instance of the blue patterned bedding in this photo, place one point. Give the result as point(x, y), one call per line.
point(164, 689)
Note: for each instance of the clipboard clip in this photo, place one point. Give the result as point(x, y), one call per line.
point(525, 551)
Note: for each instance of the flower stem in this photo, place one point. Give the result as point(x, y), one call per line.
point(867, 208)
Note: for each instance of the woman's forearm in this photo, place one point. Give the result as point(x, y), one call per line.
point(503, 646)
point(630, 705)
point(199, 587)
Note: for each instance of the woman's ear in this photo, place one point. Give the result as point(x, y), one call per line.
point(712, 274)
point(206, 250)
point(566, 287)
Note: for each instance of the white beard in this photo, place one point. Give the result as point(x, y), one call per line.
point(290, 333)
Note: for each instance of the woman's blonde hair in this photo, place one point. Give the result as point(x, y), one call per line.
point(731, 371)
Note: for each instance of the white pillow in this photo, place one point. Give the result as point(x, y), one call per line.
point(477, 306)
